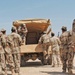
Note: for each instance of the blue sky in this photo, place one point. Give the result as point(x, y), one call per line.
point(60, 12)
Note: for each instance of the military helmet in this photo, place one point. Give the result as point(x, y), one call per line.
point(64, 28)
point(52, 34)
point(3, 30)
point(22, 25)
point(13, 28)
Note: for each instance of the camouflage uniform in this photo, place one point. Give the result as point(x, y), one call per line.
point(67, 52)
point(55, 42)
point(2, 56)
point(8, 52)
point(44, 40)
point(22, 30)
point(16, 39)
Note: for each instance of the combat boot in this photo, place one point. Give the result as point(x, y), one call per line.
point(70, 71)
point(64, 71)
point(53, 65)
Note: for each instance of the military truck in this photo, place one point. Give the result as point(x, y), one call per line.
point(32, 50)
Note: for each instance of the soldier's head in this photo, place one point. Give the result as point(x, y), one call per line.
point(64, 28)
point(22, 25)
point(3, 31)
point(13, 29)
point(73, 26)
point(52, 34)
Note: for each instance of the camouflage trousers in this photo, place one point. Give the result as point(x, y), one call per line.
point(67, 57)
point(55, 57)
point(2, 61)
point(9, 59)
point(45, 52)
point(16, 58)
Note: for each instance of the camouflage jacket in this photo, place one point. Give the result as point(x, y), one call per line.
point(16, 42)
point(22, 30)
point(67, 39)
point(44, 39)
point(55, 42)
point(1, 47)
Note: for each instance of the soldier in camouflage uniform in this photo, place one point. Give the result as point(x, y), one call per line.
point(8, 52)
point(16, 39)
point(71, 46)
point(44, 40)
point(22, 31)
point(67, 51)
point(2, 57)
point(55, 42)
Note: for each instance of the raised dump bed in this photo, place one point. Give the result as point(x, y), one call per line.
point(32, 50)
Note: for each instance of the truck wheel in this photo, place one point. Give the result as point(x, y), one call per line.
point(50, 59)
point(22, 61)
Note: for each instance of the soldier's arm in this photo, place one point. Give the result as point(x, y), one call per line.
point(50, 42)
point(19, 29)
point(41, 40)
point(3, 40)
point(60, 46)
point(9, 40)
point(26, 30)
point(59, 42)
point(20, 40)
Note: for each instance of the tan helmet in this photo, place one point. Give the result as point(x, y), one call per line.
point(64, 28)
point(23, 25)
point(2, 30)
point(13, 28)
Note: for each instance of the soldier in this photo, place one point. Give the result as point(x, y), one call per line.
point(22, 30)
point(44, 40)
point(6, 46)
point(67, 51)
point(71, 46)
point(16, 39)
point(55, 42)
point(2, 57)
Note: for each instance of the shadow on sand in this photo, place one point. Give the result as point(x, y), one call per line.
point(56, 73)
point(32, 64)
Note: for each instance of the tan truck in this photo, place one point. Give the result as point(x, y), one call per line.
point(32, 50)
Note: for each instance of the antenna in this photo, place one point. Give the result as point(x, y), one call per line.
point(58, 34)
